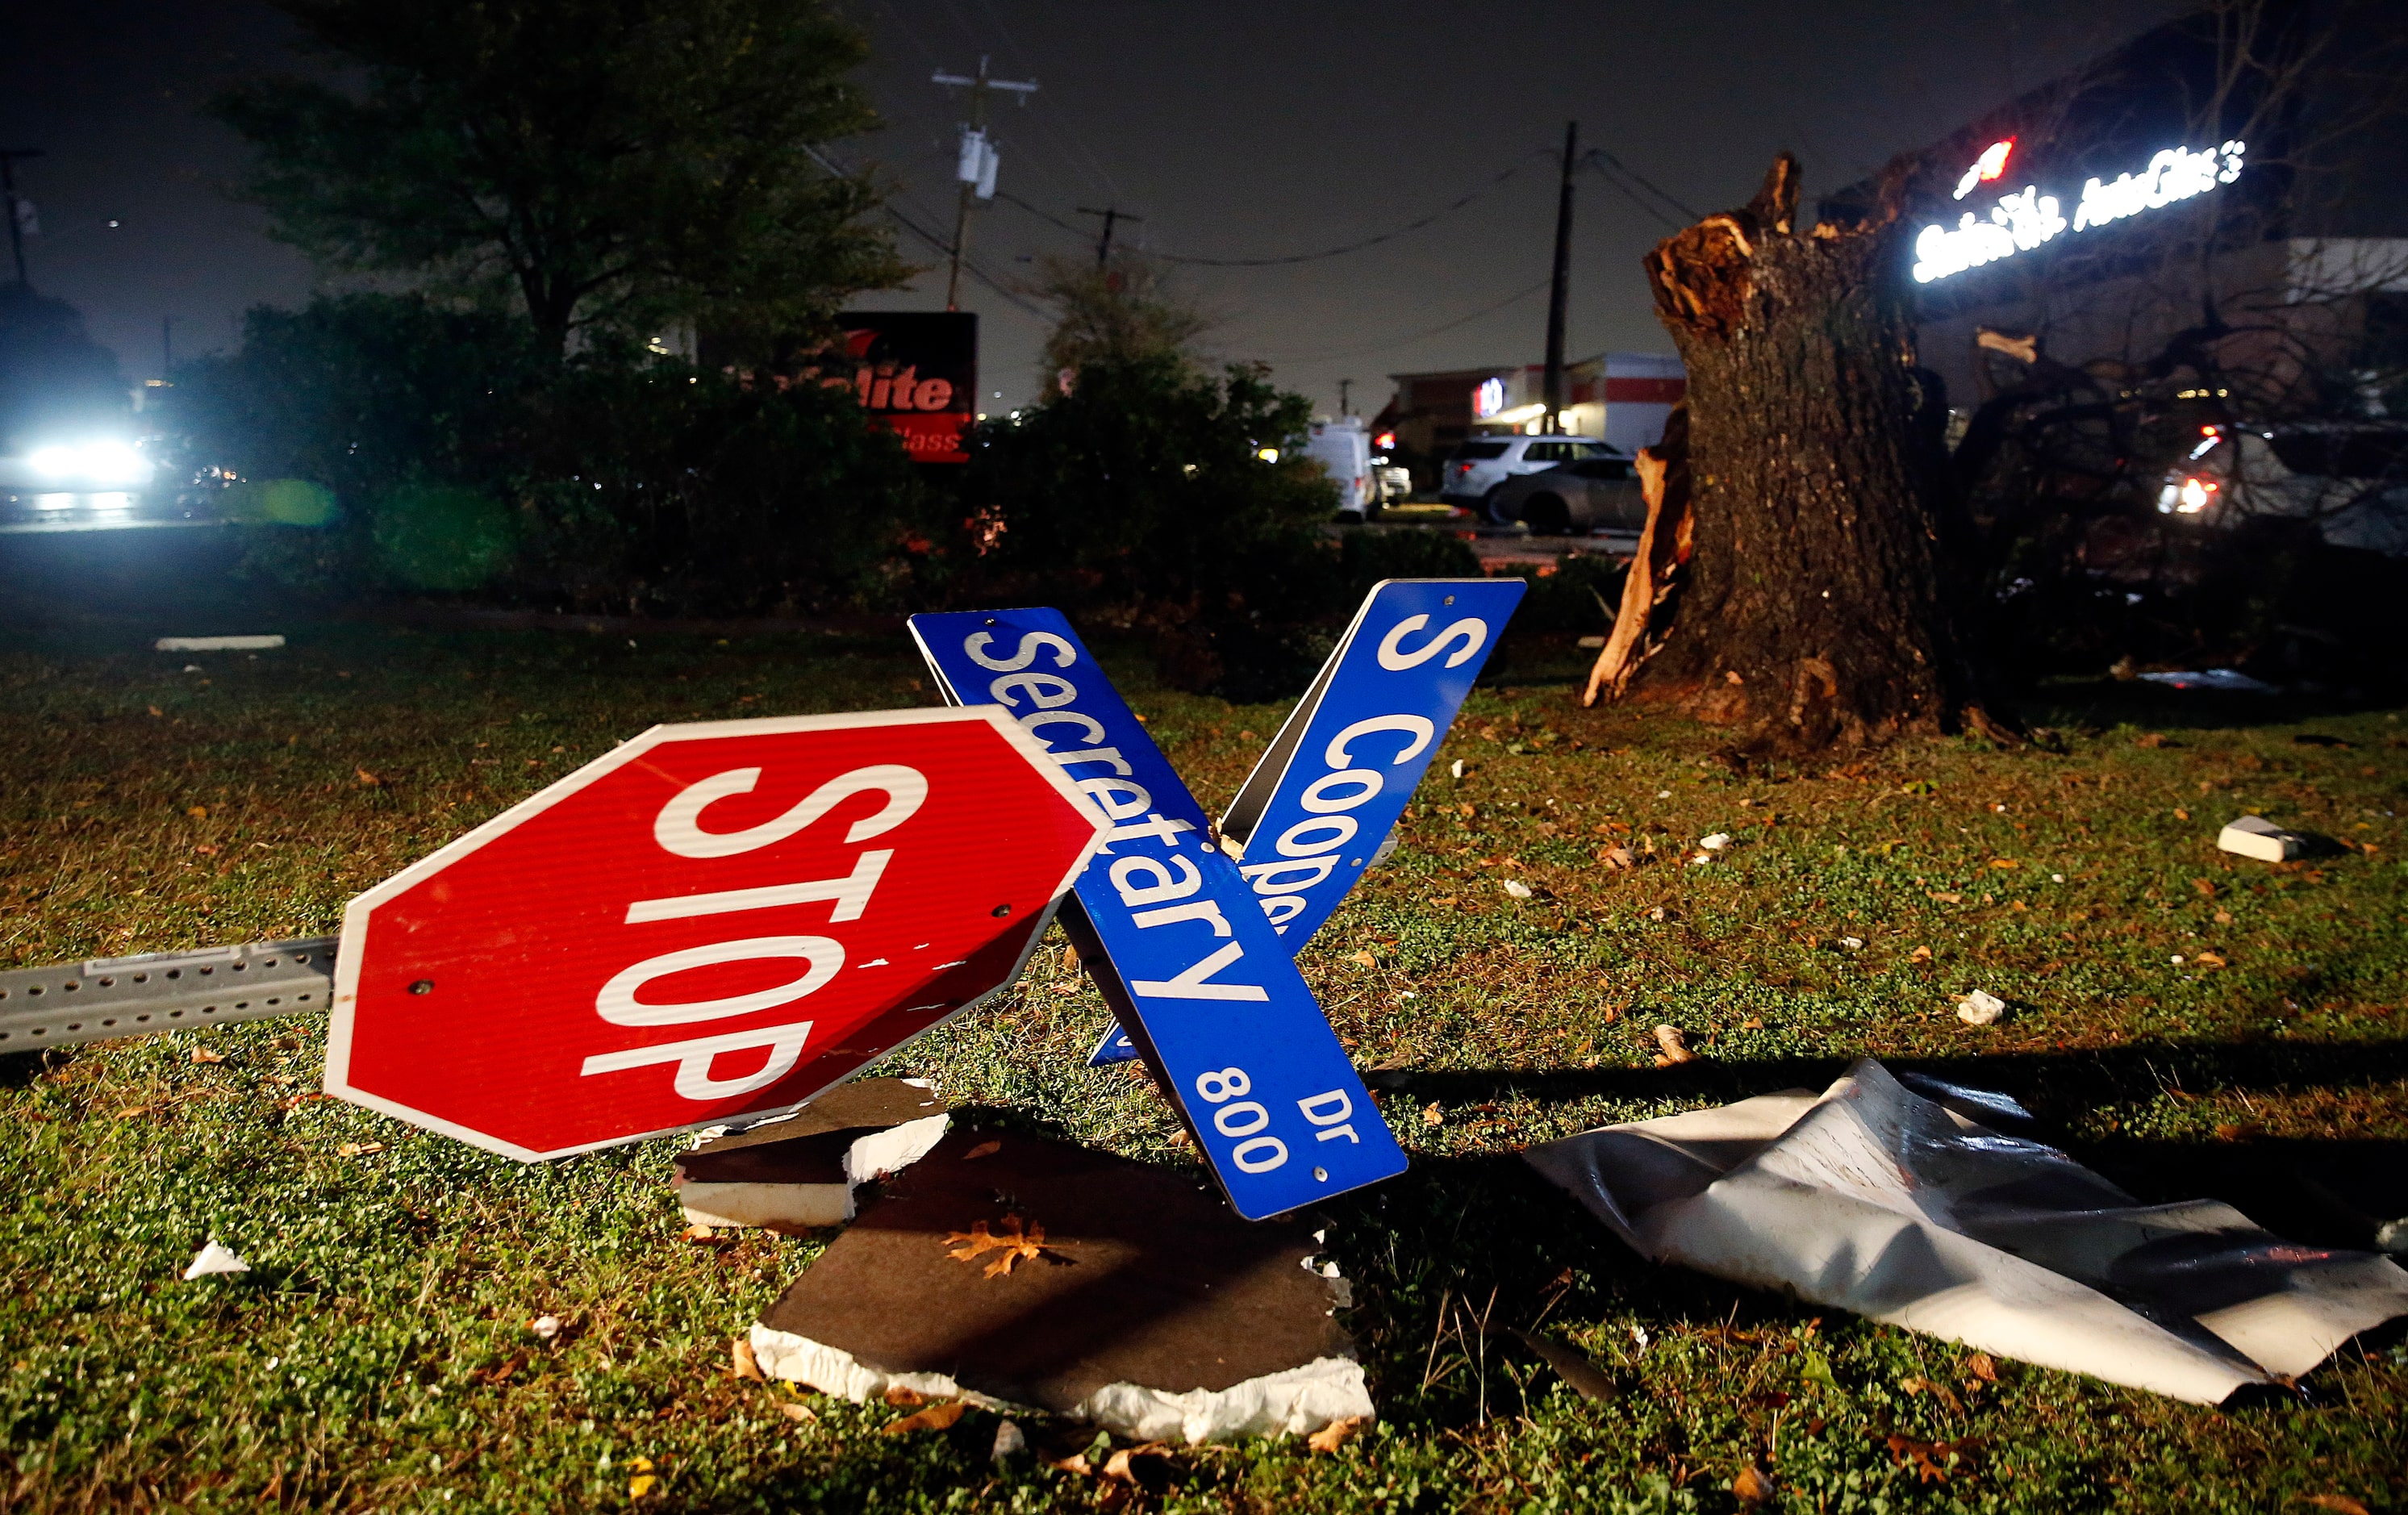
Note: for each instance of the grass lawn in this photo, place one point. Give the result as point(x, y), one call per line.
point(2188, 1023)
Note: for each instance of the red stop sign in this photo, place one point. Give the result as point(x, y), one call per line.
point(711, 921)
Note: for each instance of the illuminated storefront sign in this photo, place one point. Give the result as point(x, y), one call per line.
point(1488, 398)
point(2026, 219)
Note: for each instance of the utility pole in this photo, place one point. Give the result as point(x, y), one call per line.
point(1345, 402)
point(976, 169)
point(8, 157)
point(1555, 394)
point(1112, 214)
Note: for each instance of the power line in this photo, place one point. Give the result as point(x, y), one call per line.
point(1515, 298)
point(1601, 155)
point(1449, 209)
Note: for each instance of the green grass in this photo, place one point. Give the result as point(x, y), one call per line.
point(378, 1356)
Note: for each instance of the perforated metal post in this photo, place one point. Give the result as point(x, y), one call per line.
point(136, 996)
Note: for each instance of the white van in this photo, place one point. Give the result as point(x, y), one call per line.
point(1343, 450)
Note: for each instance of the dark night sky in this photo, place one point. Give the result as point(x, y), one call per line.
point(1236, 130)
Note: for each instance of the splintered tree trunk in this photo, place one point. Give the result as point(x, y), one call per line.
point(1792, 581)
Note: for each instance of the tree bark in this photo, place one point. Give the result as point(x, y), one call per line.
point(1813, 606)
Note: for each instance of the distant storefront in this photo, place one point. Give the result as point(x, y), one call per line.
point(1622, 397)
point(914, 371)
point(2227, 178)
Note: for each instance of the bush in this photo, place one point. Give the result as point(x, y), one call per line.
point(1143, 495)
point(438, 451)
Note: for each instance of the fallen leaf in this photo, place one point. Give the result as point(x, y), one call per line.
point(1336, 1434)
point(198, 812)
point(1123, 1465)
point(1433, 1116)
point(1584, 1377)
point(2181, 814)
point(1443, 899)
point(1920, 955)
point(1676, 1046)
point(1937, 1391)
point(358, 1148)
point(1013, 1244)
point(2208, 959)
point(745, 1364)
point(2239, 1131)
point(903, 1398)
point(934, 1418)
point(1364, 958)
point(796, 1412)
point(1948, 899)
point(131, 1111)
point(202, 1054)
point(2341, 1504)
point(2205, 886)
point(984, 1148)
point(1616, 857)
point(366, 778)
point(155, 711)
point(641, 1484)
point(1752, 1487)
point(1934, 1462)
point(2004, 862)
point(1076, 1463)
point(1983, 1366)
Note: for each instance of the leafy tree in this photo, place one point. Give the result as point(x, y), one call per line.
point(612, 167)
point(56, 383)
point(1126, 313)
point(1146, 490)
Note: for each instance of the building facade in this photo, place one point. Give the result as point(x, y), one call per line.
point(1621, 397)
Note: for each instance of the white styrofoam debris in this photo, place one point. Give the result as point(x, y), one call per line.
point(546, 1326)
point(1009, 1441)
point(896, 1148)
point(1517, 889)
point(2254, 836)
point(1716, 843)
point(1852, 943)
point(216, 644)
point(1456, 770)
point(832, 1370)
point(1295, 1402)
point(766, 1204)
point(1981, 1009)
point(215, 1258)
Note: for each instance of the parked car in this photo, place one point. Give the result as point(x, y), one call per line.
point(2351, 478)
point(1570, 497)
point(1343, 450)
point(1479, 466)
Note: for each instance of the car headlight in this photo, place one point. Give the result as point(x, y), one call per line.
point(92, 462)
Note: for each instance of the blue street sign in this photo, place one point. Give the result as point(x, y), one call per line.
point(1311, 817)
point(1173, 935)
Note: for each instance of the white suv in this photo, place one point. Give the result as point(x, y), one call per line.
point(1480, 465)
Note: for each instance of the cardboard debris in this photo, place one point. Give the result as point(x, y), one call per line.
point(2254, 836)
point(800, 1171)
point(1152, 1311)
point(215, 1258)
point(1875, 1199)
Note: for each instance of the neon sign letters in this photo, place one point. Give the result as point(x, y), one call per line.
point(1488, 398)
point(2026, 219)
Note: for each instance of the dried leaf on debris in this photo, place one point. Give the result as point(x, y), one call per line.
point(743, 1362)
point(934, 1418)
point(1148, 1466)
point(1015, 1244)
point(1983, 1366)
point(1336, 1434)
point(202, 1054)
point(1676, 1046)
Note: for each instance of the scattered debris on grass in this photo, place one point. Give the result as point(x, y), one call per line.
point(742, 1362)
point(215, 1258)
point(2254, 836)
point(1753, 1487)
point(1946, 1228)
point(1009, 1441)
point(1675, 1047)
point(546, 1326)
point(1335, 1435)
point(1981, 1009)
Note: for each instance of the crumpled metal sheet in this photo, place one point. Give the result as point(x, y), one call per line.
point(1875, 1199)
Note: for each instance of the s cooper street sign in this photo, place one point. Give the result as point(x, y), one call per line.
point(1175, 940)
point(713, 920)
